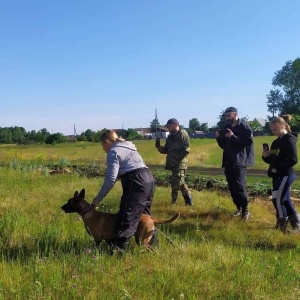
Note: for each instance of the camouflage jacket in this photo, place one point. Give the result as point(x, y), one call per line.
point(177, 148)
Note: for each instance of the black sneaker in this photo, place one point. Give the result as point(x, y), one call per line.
point(237, 213)
point(245, 215)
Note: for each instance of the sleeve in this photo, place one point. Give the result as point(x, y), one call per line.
point(291, 156)
point(164, 149)
point(266, 159)
point(113, 166)
point(245, 138)
point(185, 149)
point(222, 142)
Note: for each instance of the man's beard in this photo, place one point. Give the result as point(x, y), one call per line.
point(230, 121)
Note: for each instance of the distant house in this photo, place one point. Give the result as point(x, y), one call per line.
point(198, 134)
point(145, 132)
point(159, 133)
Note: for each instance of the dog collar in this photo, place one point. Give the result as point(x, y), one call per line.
point(85, 211)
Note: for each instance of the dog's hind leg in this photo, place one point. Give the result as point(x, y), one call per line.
point(149, 239)
point(154, 242)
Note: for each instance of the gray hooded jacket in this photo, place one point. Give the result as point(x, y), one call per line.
point(121, 158)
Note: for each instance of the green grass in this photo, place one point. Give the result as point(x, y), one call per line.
point(46, 254)
point(206, 254)
point(204, 153)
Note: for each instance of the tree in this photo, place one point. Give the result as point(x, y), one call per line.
point(132, 134)
point(154, 124)
point(194, 124)
point(18, 134)
point(275, 98)
point(255, 125)
point(81, 138)
point(55, 138)
point(42, 135)
point(295, 123)
point(286, 99)
point(222, 122)
point(98, 134)
point(44, 131)
point(204, 127)
point(5, 136)
point(90, 134)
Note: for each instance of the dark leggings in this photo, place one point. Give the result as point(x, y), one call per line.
point(138, 190)
point(281, 196)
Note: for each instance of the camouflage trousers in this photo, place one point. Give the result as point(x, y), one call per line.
point(177, 181)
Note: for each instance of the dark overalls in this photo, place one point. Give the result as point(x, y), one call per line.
point(138, 191)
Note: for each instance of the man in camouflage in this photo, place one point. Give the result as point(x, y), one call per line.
point(177, 148)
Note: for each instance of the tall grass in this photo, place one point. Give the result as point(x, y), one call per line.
point(206, 254)
point(204, 153)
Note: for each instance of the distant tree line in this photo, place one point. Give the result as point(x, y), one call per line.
point(18, 135)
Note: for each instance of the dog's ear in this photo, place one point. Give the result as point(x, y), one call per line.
point(82, 193)
point(76, 194)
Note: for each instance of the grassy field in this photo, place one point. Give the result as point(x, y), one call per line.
point(206, 254)
point(204, 153)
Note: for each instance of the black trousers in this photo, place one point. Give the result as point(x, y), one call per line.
point(236, 179)
point(138, 191)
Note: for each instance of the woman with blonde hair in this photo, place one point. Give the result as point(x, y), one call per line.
point(123, 161)
point(281, 158)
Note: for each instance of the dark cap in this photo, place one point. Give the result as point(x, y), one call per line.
point(172, 121)
point(230, 109)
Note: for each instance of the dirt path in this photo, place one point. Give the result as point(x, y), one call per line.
point(212, 171)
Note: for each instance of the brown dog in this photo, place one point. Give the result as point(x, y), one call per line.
point(102, 226)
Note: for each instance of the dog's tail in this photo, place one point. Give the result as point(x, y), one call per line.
point(173, 219)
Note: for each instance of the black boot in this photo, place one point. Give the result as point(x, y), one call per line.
point(154, 242)
point(295, 222)
point(174, 199)
point(245, 214)
point(277, 224)
point(121, 246)
point(282, 222)
point(188, 199)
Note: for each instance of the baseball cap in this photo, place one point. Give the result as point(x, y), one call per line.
point(230, 109)
point(172, 121)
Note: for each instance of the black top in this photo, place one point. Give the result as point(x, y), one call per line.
point(238, 149)
point(283, 155)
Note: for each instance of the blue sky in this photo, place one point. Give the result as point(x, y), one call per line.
point(110, 64)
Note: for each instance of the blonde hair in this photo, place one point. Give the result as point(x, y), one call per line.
point(284, 120)
point(110, 136)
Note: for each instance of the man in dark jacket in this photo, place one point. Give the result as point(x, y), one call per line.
point(236, 140)
point(177, 148)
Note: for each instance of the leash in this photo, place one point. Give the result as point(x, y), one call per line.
point(169, 239)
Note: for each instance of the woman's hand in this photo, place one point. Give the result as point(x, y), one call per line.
point(273, 170)
point(265, 153)
point(96, 201)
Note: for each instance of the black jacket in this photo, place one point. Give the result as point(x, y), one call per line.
point(283, 155)
point(238, 150)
